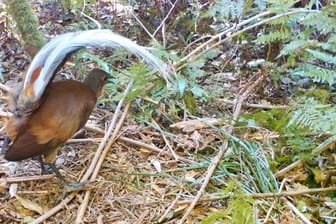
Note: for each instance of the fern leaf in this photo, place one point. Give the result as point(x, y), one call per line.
point(317, 74)
point(293, 46)
point(323, 56)
point(273, 36)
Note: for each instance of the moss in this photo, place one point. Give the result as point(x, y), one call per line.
point(27, 24)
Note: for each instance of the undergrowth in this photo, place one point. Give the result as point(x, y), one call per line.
point(301, 73)
point(303, 45)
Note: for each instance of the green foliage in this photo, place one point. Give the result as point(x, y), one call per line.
point(316, 73)
point(276, 35)
point(274, 120)
point(226, 9)
point(187, 80)
point(306, 55)
point(239, 209)
point(75, 4)
point(309, 113)
point(280, 6)
point(255, 166)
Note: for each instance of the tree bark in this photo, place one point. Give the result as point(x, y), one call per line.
point(27, 24)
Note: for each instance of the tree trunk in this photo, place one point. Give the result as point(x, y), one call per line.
point(27, 24)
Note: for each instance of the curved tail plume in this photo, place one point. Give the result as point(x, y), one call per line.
point(53, 54)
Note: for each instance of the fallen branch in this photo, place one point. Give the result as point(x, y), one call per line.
point(265, 195)
point(10, 180)
point(102, 152)
point(223, 149)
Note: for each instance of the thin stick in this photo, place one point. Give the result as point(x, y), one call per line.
point(10, 180)
point(267, 195)
point(294, 193)
point(4, 87)
point(94, 129)
point(273, 203)
point(89, 17)
point(166, 141)
point(83, 140)
point(222, 150)
point(170, 207)
point(166, 17)
point(154, 148)
point(319, 149)
point(57, 208)
point(141, 144)
point(288, 168)
point(144, 28)
point(297, 212)
point(33, 192)
point(99, 158)
point(222, 34)
point(85, 202)
point(254, 105)
point(106, 137)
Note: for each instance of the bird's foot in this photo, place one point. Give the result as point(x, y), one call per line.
point(73, 186)
point(5, 144)
point(45, 169)
point(70, 187)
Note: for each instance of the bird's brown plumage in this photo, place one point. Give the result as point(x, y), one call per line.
point(64, 109)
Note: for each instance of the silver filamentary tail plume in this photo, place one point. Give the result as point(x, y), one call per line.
point(54, 53)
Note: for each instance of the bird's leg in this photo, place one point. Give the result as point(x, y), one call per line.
point(50, 159)
point(58, 174)
point(45, 169)
point(4, 144)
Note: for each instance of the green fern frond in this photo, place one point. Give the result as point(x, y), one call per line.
point(225, 10)
point(329, 46)
point(317, 74)
point(322, 22)
point(274, 36)
point(293, 47)
point(323, 56)
point(309, 113)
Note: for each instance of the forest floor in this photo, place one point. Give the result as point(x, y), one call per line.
point(152, 173)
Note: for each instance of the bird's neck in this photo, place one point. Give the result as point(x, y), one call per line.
point(95, 86)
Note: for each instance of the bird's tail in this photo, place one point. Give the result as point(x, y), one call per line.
point(53, 55)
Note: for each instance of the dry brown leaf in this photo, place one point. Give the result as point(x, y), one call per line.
point(192, 125)
point(30, 205)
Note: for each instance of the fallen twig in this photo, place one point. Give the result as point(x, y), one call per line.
point(254, 105)
point(54, 210)
point(328, 143)
point(223, 149)
point(229, 34)
point(101, 153)
point(296, 211)
point(9, 180)
point(266, 195)
point(4, 87)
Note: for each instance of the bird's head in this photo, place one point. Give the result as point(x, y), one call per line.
point(96, 80)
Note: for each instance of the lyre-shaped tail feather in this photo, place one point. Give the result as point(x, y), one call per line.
point(50, 57)
point(42, 56)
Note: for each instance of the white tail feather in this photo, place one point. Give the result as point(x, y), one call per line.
point(53, 53)
point(41, 56)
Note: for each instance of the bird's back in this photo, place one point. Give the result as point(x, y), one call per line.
point(64, 109)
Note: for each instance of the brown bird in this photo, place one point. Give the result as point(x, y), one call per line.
point(46, 113)
point(64, 109)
